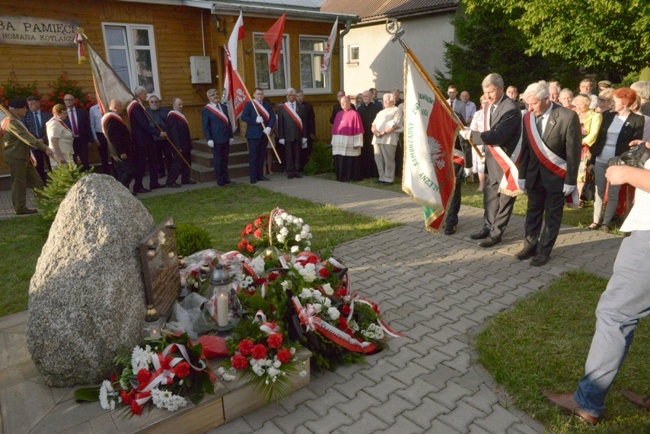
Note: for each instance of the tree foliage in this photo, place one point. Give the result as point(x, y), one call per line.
point(600, 35)
point(488, 42)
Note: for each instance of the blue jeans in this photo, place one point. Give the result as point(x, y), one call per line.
point(624, 302)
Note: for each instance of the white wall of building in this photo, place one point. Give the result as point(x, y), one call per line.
point(381, 62)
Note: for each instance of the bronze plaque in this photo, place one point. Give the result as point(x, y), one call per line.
point(160, 267)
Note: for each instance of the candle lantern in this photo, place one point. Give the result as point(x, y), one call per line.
point(220, 286)
point(153, 323)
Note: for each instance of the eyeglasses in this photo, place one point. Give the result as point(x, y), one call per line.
point(154, 102)
point(68, 99)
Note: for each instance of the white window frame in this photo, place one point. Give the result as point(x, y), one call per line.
point(316, 91)
point(263, 48)
point(131, 48)
point(352, 60)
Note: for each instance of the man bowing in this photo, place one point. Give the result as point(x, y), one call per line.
point(548, 170)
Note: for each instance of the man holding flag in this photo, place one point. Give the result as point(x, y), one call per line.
point(500, 142)
point(259, 116)
point(218, 132)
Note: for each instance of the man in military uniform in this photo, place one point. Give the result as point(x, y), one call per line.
point(17, 142)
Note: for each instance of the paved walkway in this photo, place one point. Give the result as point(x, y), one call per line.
point(437, 290)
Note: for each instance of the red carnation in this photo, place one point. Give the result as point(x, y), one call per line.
point(144, 376)
point(324, 273)
point(345, 310)
point(273, 276)
point(284, 355)
point(275, 340)
point(245, 347)
point(343, 323)
point(241, 246)
point(239, 362)
point(258, 233)
point(342, 292)
point(126, 398)
point(249, 229)
point(113, 377)
point(259, 352)
point(258, 222)
point(135, 408)
point(182, 370)
point(250, 248)
point(243, 233)
point(312, 259)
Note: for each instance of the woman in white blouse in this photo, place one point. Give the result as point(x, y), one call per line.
point(619, 127)
point(59, 135)
point(386, 128)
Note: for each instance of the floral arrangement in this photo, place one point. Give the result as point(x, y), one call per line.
point(161, 374)
point(307, 297)
point(12, 89)
point(63, 86)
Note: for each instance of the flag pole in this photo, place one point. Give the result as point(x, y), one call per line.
point(398, 37)
point(86, 40)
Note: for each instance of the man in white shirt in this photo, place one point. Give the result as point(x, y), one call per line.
point(456, 105)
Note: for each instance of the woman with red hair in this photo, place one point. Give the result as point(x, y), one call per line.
point(620, 126)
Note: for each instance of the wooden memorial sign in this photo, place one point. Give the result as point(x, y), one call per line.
point(160, 267)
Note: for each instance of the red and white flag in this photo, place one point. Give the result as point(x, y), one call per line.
point(108, 85)
point(236, 36)
point(236, 94)
point(329, 46)
point(429, 138)
point(273, 38)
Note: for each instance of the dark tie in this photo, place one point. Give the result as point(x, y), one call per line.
point(492, 107)
point(37, 118)
point(539, 126)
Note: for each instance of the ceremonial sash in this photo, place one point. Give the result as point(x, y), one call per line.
point(107, 116)
point(459, 157)
point(218, 113)
point(547, 157)
point(55, 119)
point(508, 184)
point(294, 115)
point(131, 106)
point(262, 111)
point(5, 124)
point(179, 115)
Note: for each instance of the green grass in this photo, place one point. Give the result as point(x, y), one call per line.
point(543, 343)
point(224, 212)
point(578, 217)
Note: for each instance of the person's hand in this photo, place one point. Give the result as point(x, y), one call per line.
point(259, 119)
point(41, 141)
point(49, 152)
point(211, 143)
point(568, 189)
point(282, 141)
point(617, 175)
point(521, 183)
point(267, 131)
point(304, 140)
point(466, 133)
point(231, 141)
point(377, 134)
point(123, 156)
point(163, 134)
point(636, 142)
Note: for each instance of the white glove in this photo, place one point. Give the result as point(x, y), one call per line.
point(568, 189)
point(466, 133)
point(211, 143)
point(267, 131)
point(282, 141)
point(521, 183)
point(231, 141)
point(304, 143)
point(259, 119)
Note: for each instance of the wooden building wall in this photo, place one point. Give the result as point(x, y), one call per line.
point(178, 35)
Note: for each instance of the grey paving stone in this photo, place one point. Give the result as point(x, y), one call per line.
point(453, 347)
point(471, 380)
point(390, 409)
point(237, 426)
point(432, 359)
point(351, 387)
point(416, 392)
point(384, 389)
point(439, 427)
point(291, 421)
point(321, 404)
point(499, 420)
point(484, 399)
point(460, 363)
point(450, 395)
point(257, 418)
point(461, 417)
point(359, 404)
point(424, 414)
point(271, 428)
point(440, 376)
point(368, 423)
point(402, 426)
point(319, 384)
point(296, 398)
point(331, 420)
point(408, 374)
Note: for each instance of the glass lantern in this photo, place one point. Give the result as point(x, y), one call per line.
point(220, 289)
point(153, 323)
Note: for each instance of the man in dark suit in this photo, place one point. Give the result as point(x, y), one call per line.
point(292, 133)
point(142, 134)
point(119, 142)
point(548, 169)
point(258, 115)
point(35, 121)
point(500, 141)
point(158, 116)
point(309, 121)
point(368, 111)
point(79, 123)
point(179, 132)
point(218, 132)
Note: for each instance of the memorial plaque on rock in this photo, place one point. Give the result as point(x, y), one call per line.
point(160, 267)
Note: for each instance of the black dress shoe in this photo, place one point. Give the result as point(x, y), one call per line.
point(490, 242)
point(450, 230)
point(539, 260)
point(228, 181)
point(190, 182)
point(481, 235)
point(526, 253)
point(263, 178)
point(254, 181)
point(156, 187)
point(174, 185)
point(290, 176)
point(298, 175)
point(141, 190)
point(27, 211)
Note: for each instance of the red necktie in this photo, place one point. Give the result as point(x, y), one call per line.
point(73, 121)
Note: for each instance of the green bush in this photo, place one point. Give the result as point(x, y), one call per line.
point(191, 238)
point(61, 179)
point(320, 160)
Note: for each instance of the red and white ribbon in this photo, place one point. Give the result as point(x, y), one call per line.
point(548, 158)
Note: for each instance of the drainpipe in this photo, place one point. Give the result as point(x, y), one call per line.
point(342, 54)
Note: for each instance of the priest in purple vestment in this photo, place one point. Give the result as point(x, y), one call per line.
point(347, 142)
